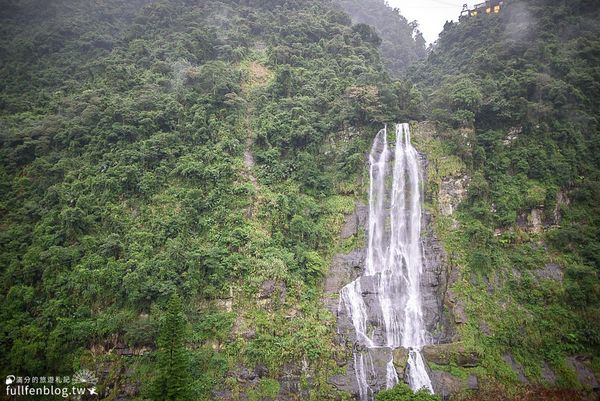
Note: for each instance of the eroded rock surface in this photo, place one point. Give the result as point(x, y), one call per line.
point(400, 355)
point(516, 367)
point(550, 271)
point(548, 374)
point(455, 353)
point(355, 221)
point(436, 279)
point(376, 378)
point(445, 384)
point(346, 267)
point(585, 375)
point(452, 191)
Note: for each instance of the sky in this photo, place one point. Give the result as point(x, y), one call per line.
point(430, 14)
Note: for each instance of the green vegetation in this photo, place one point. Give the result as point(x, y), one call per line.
point(212, 148)
point(451, 368)
point(199, 148)
point(172, 380)
point(401, 392)
point(515, 97)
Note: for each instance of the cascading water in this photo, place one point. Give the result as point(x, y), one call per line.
point(393, 266)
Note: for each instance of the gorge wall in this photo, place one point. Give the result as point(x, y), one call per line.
point(438, 303)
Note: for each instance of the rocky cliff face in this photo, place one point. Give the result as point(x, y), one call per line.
point(346, 267)
point(437, 276)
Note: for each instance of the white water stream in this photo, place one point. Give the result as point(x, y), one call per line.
point(394, 262)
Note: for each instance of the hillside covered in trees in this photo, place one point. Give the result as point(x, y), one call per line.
point(402, 44)
point(517, 94)
point(175, 175)
point(198, 148)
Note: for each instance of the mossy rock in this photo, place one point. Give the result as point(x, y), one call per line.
point(400, 360)
point(445, 354)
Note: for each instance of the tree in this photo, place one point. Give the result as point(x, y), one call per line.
point(172, 382)
point(402, 392)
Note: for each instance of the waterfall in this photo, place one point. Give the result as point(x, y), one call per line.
point(390, 314)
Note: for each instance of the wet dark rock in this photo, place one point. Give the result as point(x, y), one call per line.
point(400, 360)
point(345, 328)
point(380, 357)
point(340, 360)
point(267, 289)
point(344, 269)
point(376, 380)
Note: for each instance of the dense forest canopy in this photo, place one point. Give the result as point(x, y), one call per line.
point(402, 44)
point(519, 92)
point(124, 179)
point(164, 164)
